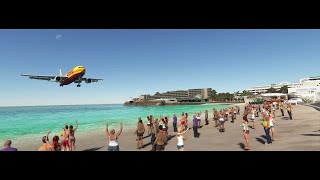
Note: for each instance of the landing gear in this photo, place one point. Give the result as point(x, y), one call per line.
point(78, 85)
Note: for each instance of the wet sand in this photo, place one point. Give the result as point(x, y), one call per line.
point(300, 134)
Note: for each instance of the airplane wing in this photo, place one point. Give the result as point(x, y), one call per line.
point(43, 77)
point(87, 80)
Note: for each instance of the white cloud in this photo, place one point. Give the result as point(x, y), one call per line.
point(59, 36)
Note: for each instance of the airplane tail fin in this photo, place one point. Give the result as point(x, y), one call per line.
point(61, 72)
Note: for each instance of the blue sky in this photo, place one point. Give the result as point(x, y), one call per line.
point(134, 62)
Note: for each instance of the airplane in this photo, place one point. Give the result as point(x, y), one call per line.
point(75, 75)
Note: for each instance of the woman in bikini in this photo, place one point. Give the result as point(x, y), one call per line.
point(272, 123)
point(245, 130)
point(139, 131)
point(182, 121)
point(72, 138)
point(113, 138)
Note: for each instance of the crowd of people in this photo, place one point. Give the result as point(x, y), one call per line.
point(157, 128)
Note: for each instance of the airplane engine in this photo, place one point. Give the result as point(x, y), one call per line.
point(88, 81)
point(58, 79)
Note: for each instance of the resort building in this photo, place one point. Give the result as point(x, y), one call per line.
point(306, 88)
point(181, 95)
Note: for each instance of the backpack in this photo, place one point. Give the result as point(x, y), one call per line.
point(264, 122)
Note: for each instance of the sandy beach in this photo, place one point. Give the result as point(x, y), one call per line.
point(300, 134)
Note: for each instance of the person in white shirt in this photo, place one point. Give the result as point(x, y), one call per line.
point(180, 144)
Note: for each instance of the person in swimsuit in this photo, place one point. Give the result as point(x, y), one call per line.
point(65, 138)
point(46, 145)
point(55, 146)
point(215, 118)
point(72, 138)
point(113, 138)
point(186, 121)
point(221, 122)
point(245, 130)
point(182, 121)
point(149, 125)
point(206, 117)
point(160, 140)
point(140, 131)
point(272, 123)
point(180, 144)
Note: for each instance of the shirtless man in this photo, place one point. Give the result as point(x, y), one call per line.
point(160, 140)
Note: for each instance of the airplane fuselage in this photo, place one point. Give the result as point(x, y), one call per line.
point(74, 75)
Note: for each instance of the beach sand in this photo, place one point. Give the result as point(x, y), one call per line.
point(300, 134)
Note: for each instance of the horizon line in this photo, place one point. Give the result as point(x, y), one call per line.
point(58, 105)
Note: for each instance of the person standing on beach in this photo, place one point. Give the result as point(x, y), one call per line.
point(266, 127)
point(206, 117)
point(199, 119)
point(174, 123)
point(281, 105)
point(160, 140)
point(186, 121)
point(245, 130)
point(181, 139)
point(289, 109)
point(113, 138)
point(215, 118)
point(183, 121)
point(149, 125)
point(195, 126)
point(272, 123)
point(139, 131)
point(252, 118)
point(221, 123)
point(65, 138)
point(72, 138)
point(7, 146)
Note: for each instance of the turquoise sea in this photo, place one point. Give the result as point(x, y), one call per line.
point(18, 123)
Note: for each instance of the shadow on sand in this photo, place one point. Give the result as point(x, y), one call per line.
point(285, 118)
point(264, 137)
point(241, 146)
point(94, 149)
point(146, 136)
point(260, 140)
point(169, 138)
point(311, 134)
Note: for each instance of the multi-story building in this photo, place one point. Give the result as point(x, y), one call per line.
point(308, 88)
point(264, 89)
point(204, 93)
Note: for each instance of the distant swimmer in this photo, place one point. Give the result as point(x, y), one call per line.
point(73, 76)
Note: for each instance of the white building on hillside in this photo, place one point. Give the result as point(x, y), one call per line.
point(307, 88)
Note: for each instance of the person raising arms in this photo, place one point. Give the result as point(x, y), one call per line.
point(72, 138)
point(113, 138)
